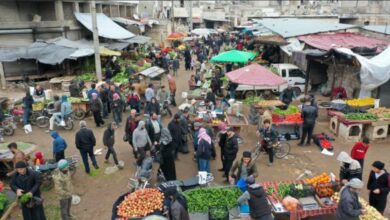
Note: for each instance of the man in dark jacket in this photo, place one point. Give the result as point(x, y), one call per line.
point(243, 168)
point(269, 136)
point(85, 141)
point(257, 201)
point(96, 106)
point(109, 141)
point(131, 125)
point(349, 207)
point(59, 146)
point(184, 119)
point(176, 132)
point(287, 95)
point(177, 208)
point(309, 115)
point(230, 152)
point(153, 126)
point(222, 127)
point(104, 90)
point(25, 180)
point(379, 186)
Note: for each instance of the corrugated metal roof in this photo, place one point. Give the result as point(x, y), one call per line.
point(384, 29)
point(343, 40)
point(126, 21)
point(292, 27)
point(180, 13)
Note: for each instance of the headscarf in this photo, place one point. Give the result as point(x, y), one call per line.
point(94, 95)
point(203, 136)
point(166, 137)
point(115, 96)
point(64, 98)
point(345, 158)
point(169, 77)
point(140, 124)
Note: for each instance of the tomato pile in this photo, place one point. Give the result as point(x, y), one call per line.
point(141, 203)
point(296, 117)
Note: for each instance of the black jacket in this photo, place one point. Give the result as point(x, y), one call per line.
point(28, 183)
point(222, 141)
point(269, 135)
point(152, 107)
point(287, 95)
point(109, 136)
point(309, 114)
point(211, 97)
point(204, 150)
point(258, 203)
point(96, 105)
point(150, 129)
point(176, 132)
point(382, 183)
point(231, 148)
point(85, 139)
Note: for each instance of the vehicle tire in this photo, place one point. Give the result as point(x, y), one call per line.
point(249, 93)
point(283, 150)
point(8, 131)
point(79, 114)
point(43, 122)
point(68, 125)
point(297, 91)
point(47, 181)
point(33, 117)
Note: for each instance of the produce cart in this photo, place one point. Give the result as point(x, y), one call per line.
point(288, 122)
point(6, 155)
point(153, 74)
point(80, 107)
point(236, 122)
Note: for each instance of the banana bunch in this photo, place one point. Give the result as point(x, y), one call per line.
point(361, 102)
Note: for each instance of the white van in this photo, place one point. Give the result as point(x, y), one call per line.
point(291, 73)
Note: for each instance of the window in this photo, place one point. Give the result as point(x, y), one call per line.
point(296, 73)
point(283, 73)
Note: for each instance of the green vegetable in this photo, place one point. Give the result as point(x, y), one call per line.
point(86, 77)
point(25, 198)
point(76, 100)
point(292, 109)
point(270, 190)
point(300, 191)
point(252, 99)
point(3, 201)
point(121, 78)
point(217, 213)
point(361, 116)
point(283, 190)
point(200, 199)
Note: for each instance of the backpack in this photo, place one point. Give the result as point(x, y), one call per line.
point(132, 99)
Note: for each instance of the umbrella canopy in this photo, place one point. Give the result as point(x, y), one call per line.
point(233, 56)
point(203, 31)
point(255, 75)
point(175, 36)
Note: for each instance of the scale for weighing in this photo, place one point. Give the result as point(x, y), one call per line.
point(309, 203)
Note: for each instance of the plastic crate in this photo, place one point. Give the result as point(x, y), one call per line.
point(38, 106)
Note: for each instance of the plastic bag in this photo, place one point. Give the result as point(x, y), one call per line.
point(27, 128)
point(62, 123)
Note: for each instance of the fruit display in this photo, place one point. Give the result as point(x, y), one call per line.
point(361, 102)
point(323, 178)
point(269, 103)
point(327, 189)
point(290, 203)
point(200, 199)
point(141, 203)
point(381, 112)
point(251, 99)
point(360, 116)
point(216, 121)
point(371, 212)
point(297, 118)
point(292, 109)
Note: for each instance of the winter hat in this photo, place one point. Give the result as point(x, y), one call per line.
point(355, 183)
point(379, 165)
point(62, 164)
point(21, 164)
point(250, 180)
point(247, 154)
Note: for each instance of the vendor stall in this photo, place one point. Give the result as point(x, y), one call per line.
point(288, 122)
point(6, 155)
point(80, 107)
point(153, 74)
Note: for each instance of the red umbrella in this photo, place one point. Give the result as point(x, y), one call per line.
point(175, 36)
point(255, 75)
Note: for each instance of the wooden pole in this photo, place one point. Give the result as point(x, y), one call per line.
point(98, 66)
point(2, 77)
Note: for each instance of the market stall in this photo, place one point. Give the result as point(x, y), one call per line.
point(6, 155)
point(80, 107)
point(288, 122)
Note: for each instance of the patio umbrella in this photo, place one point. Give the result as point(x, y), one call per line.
point(175, 36)
point(233, 56)
point(255, 75)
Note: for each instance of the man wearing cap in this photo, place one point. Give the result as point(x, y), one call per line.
point(175, 129)
point(257, 200)
point(349, 207)
point(27, 181)
point(287, 95)
point(64, 188)
point(243, 168)
point(85, 141)
point(379, 186)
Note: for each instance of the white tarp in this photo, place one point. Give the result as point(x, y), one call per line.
point(294, 45)
point(203, 31)
point(106, 27)
point(374, 72)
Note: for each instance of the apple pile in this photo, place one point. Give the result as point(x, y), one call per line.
point(140, 203)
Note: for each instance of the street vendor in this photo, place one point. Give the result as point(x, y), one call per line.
point(270, 136)
point(349, 207)
point(243, 168)
point(257, 200)
point(18, 156)
point(287, 95)
point(39, 92)
point(349, 168)
point(75, 89)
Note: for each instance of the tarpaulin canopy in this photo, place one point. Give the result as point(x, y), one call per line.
point(255, 75)
point(139, 39)
point(233, 56)
point(343, 40)
point(107, 52)
point(106, 27)
point(175, 36)
point(203, 31)
point(272, 40)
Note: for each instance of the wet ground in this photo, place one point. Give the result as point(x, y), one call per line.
point(98, 192)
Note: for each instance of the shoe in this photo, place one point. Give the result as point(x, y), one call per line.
point(96, 167)
point(269, 164)
point(106, 161)
point(300, 144)
point(221, 170)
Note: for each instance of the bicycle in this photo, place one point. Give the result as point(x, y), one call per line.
point(281, 149)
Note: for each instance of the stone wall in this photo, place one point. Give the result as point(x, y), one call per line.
point(346, 76)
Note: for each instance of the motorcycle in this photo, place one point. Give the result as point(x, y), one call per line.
point(165, 108)
point(46, 170)
point(17, 113)
point(7, 126)
point(43, 121)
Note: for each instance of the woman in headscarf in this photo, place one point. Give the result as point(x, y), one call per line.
point(349, 168)
point(204, 150)
point(141, 142)
point(167, 164)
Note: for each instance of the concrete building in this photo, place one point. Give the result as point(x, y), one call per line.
point(22, 22)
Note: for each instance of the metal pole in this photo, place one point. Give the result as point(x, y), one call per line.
point(173, 18)
point(2, 76)
point(191, 24)
point(98, 66)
